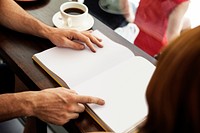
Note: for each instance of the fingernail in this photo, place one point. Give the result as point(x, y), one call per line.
point(101, 45)
point(102, 102)
point(82, 46)
point(93, 50)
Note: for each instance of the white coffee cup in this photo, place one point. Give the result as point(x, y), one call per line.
point(74, 14)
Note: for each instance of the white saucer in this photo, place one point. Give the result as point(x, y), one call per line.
point(58, 22)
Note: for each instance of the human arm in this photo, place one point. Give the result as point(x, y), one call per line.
point(127, 10)
point(176, 22)
point(56, 106)
point(16, 18)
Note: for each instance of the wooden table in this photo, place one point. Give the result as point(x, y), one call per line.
point(17, 49)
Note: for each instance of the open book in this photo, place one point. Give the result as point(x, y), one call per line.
point(113, 73)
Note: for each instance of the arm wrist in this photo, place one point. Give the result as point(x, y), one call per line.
point(16, 105)
point(45, 31)
point(26, 102)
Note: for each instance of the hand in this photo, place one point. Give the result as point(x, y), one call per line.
point(66, 38)
point(59, 105)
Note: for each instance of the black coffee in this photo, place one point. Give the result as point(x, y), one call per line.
point(74, 11)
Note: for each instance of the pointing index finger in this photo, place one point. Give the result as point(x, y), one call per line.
point(89, 99)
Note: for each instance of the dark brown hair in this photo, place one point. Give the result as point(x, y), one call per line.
point(173, 94)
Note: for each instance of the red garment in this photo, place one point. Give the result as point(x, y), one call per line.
point(152, 18)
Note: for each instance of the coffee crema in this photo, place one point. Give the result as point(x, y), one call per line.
point(73, 11)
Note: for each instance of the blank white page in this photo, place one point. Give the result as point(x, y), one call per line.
point(76, 66)
point(123, 88)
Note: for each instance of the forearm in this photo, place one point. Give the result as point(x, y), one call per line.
point(15, 105)
point(14, 17)
point(176, 21)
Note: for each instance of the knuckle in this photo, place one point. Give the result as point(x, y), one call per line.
point(61, 122)
point(89, 99)
point(71, 98)
point(87, 38)
point(76, 116)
